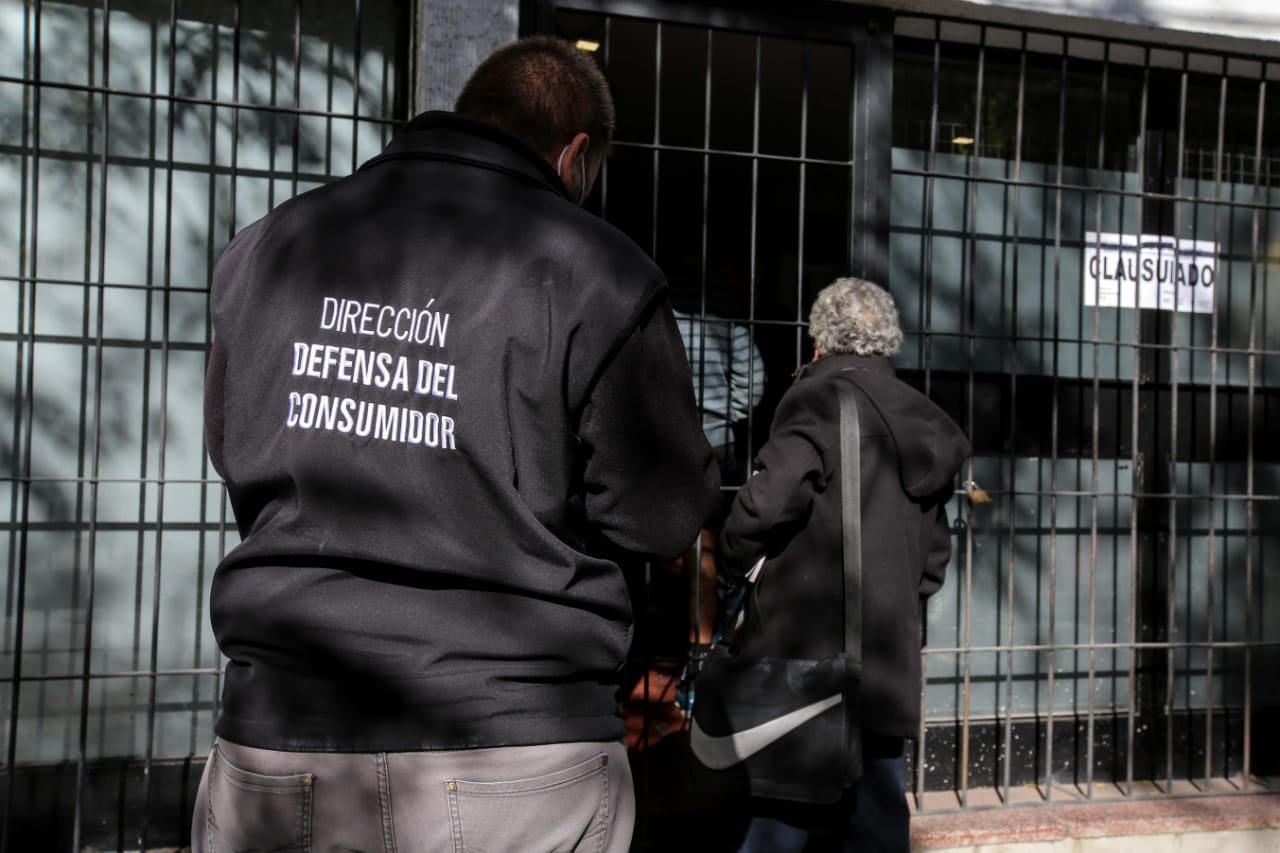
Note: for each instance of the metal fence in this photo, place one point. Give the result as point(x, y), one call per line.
point(135, 138)
point(1104, 630)
point(1108, 627)
point(1098, 255)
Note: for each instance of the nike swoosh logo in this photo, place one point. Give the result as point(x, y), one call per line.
point(723, 751)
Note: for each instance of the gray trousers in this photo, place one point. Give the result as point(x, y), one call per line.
point(531, 799)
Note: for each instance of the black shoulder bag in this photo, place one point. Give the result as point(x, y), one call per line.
point(784, 728)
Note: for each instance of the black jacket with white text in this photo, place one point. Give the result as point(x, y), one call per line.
point(441, 396)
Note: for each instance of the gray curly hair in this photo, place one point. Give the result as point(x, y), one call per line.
point(852, 315)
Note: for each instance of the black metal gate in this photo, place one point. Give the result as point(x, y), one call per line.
point(136, 136)
point(1080, 233)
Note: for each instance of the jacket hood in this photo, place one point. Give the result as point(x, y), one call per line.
point(931, 446)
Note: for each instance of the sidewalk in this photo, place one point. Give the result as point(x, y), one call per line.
point(1193, 824)
point(1204, 823)
point(1220, 816)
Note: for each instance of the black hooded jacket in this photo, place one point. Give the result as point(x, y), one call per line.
point(441, 395)
point(790, 511)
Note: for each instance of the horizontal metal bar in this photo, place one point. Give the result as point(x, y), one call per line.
point(200, 102)
point(107, 285)
point(1086, 647)
point(103, 676)
point(183, 167)
point(1109, 192)
point(751, 155)
point(118, 526)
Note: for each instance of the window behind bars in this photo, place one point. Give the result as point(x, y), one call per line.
point(1080, 236)
point(136, 137)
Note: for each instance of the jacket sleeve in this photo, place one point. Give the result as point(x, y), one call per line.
point(789, 471)
point(938, 539)
point(650, 479)
point(215, 376)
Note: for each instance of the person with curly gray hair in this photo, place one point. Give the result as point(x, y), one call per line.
point(789, 511)
point(855, 316)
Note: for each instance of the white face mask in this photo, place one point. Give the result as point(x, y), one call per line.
point(582, 175)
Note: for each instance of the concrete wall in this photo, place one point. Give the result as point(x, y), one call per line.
point(1253, 19)
point(1248, 26)
point(455, 36)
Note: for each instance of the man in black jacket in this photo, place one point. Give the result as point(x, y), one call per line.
point(441, 395)
point(789, 511)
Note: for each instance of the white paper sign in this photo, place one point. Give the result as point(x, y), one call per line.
point(1149, 271)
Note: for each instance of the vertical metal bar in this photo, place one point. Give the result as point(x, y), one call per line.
point(144, 422)
point(234, 172)
point(296, 132)
point(166, 305)
point(801, 202)
point(653, 252)
point(25, 370)
point(271, 116)
point(1011, 563)
point(1171, 628)
point(86, 276)
point(926, 356)
point(700, 327)
point(926, 241)
point(1136, 459)
point(357, 60)
point(397, 86)
point(755, 190)
point(406, 58)
point(331, 49)
point(1095, 429)
point(1055, 419)
point(604, 168)
point(657, 129)
point(969, 299)
point(1211, 567)
point(852, 211)
point(803, 188)
point(212, 246)
point(1255, 311)
point(223, 521)
point(94, 441)
point(755, 186)
point(24, 282)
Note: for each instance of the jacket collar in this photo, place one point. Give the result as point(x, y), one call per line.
point(440, 135)
point(830, 364)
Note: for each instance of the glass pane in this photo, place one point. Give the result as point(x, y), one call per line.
point(783, 90)
point(629, 62)
point(733, 91)
point(683, 90)
point(830, 101)
point(110, 306)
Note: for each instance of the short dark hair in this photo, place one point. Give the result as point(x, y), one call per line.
point(542, 90)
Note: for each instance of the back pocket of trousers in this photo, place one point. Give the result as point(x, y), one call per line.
point(567, 810)
point(251, 811)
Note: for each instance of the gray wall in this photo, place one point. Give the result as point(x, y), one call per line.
point(455, 36)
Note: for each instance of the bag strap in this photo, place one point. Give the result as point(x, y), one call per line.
point(851, 522)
